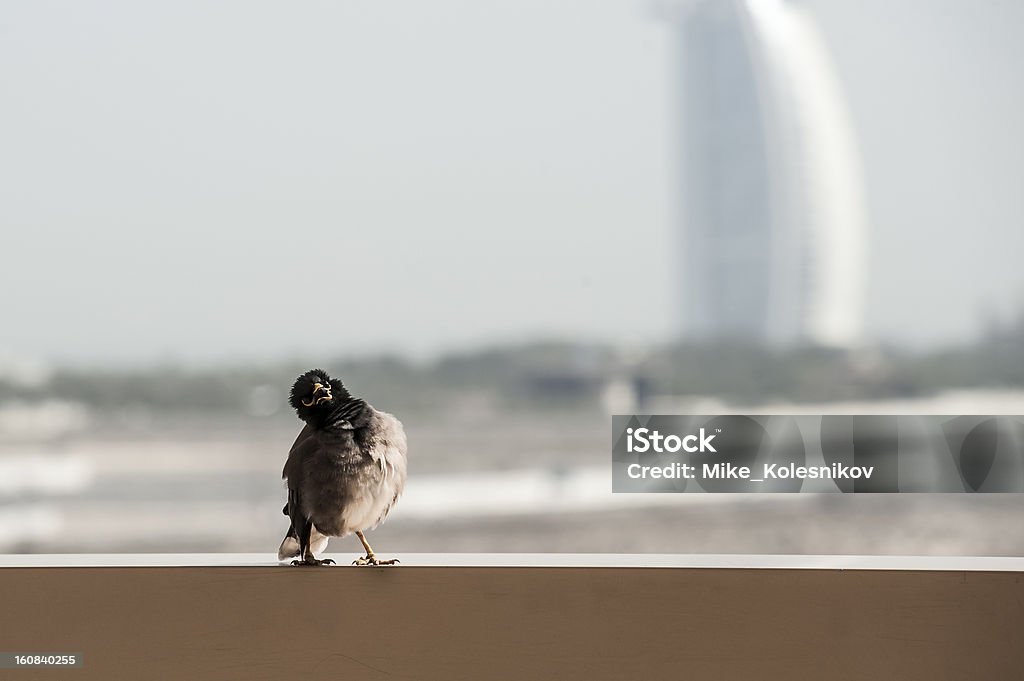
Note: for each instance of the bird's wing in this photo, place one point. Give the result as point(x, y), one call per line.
point(295, 513)
point(294, 473)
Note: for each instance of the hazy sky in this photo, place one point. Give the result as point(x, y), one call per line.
point(203, 180)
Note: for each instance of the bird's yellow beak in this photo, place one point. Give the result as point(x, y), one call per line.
point(319, 388)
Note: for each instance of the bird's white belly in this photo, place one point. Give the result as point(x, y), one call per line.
point(366, 509)
point(365, 513)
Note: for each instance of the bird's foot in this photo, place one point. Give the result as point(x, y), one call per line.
point(313, 561)
point(372, 559)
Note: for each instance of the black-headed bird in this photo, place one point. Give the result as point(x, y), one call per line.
point(345, 470)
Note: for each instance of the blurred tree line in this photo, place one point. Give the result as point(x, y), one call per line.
point(550, 375)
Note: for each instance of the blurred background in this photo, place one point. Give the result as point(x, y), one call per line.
point(502, 222)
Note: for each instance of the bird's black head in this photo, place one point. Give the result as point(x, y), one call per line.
point(314, 394)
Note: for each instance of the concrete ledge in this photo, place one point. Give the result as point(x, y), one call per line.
point(574, 560)
point(519, 617)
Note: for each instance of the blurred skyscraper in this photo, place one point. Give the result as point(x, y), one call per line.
point(771, 210)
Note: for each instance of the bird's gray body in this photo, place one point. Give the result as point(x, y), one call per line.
point(347, 478)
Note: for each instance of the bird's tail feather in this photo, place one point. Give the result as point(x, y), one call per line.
point(290, 545)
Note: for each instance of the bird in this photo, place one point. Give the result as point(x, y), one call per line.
point(345, 470)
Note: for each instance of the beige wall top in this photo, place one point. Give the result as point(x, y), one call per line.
point(567, 560)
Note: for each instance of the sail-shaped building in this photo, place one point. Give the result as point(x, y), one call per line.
point(772, 245)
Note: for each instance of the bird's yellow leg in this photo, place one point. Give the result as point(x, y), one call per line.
point(370, 558)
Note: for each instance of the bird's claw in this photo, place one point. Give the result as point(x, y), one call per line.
point(374, 560)
point(313, 561)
